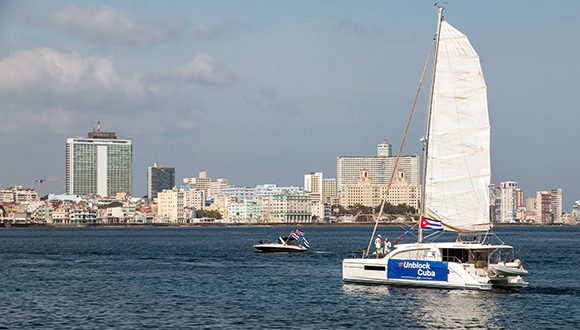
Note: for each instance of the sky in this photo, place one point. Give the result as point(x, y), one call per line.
point(267, 91)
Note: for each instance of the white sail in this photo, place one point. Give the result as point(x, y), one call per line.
point(458, 156)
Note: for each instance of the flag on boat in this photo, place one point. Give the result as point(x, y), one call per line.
point(295, 236)
point(298, 232)
point(305, 242)
point(428, 223)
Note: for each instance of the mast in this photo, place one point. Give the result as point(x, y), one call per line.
point(426, 139)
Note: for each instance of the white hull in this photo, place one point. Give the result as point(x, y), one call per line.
point(279, 248)
point(448, 275)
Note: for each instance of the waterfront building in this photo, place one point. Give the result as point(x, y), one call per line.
point(201, 182)
point(159, 178)
point(119, 214)
point(194, 198)
point(530, 214)
point(494, 202)
point(379, 167)
point(519, 198)
point(99, 164)
point(12, 213)
point(576, 211)
point(313, 185)
point(270, 189)
point(239, 193)
point(82, 215)
point(171, 205)
point(508, 206)
point(329, 191)
point(244, 211)
point(543, 207)
point(216, 187)
point(556, 205)
point(18, 194)
point(366, 193)
point(286, 207)
point(321, 212)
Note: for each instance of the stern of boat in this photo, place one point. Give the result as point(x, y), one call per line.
point(508, 275)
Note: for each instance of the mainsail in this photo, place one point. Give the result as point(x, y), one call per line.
point(457, 173)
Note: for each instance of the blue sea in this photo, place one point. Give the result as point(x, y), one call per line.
point(200, 277)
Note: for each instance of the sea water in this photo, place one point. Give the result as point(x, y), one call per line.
point(194, 277)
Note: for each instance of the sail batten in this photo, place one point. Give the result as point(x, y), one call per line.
point(457, 173)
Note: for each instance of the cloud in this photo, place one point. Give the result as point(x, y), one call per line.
point(105, 24)
point(47, 75)
point(269, 99)
point(205, 70)
point(354, 27)
point(44, 90)
point(219, 30)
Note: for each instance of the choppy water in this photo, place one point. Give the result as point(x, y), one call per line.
point(210, 278)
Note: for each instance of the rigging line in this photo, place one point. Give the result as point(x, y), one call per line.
point(434, 235)
point(400, 147)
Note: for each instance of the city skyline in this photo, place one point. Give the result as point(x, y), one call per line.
point(264, 93)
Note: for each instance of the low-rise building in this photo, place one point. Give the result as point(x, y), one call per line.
point(286, 207)
point(18, 194)
point(243, 211)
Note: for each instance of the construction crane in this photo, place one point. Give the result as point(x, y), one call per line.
point(41, 183)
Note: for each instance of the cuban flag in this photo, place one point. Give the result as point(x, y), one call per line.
point(295, 236)
point(298, 232)
point(305, 242)
point(428, 223)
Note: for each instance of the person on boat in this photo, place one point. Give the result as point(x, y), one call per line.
point(387, 246)
point(378, 245)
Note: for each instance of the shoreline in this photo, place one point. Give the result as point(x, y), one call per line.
point(185, 225)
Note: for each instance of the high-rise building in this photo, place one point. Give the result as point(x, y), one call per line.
point(99, 164)
point(530, 209)
point(543, 207)
point(556, 205)
point(369, 194)
point(379, 168)
point(509, 201)
point(159, 178)
point(313, 185)
point(519, 197)
point(494, 203)
point(576, 211)
point(329, 190)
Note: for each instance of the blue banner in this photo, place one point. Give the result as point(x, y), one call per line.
point(417, 270)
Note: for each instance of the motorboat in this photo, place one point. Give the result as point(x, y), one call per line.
point(295, 242)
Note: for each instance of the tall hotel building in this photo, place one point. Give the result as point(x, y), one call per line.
point(159, 178)
point(99, 164)
point(379, 167)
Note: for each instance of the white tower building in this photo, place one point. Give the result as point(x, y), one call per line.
point(508, 201)
point(99, 164)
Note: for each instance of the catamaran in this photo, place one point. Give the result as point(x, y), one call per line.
point(455, 195)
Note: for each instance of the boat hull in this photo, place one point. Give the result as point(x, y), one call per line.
point(279, 248)
point(375, 271)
